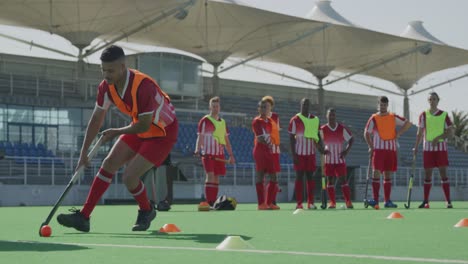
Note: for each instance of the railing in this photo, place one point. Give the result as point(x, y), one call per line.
point(39, 86)
point(55, 171)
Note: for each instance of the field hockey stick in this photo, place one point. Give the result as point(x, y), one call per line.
point(74, 178)
point(410, 184)
point(366, 201)
point(324, 183)
point(153, 185)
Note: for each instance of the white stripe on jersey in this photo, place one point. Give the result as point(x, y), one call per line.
point(334, 156)
point(210, 145)
point(441, 146)
point(383, 144)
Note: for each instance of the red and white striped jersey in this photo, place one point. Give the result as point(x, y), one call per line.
point(333, 140)
point(205, 134)
point(427, 146)
point(304, 146)
point(379, 143)
point(275, 118)
point(262, 127)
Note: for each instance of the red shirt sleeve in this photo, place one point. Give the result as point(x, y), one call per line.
point(448, 122)
point(101, 94)
point(257, 127)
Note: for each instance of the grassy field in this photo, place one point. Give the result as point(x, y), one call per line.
point(361, 235)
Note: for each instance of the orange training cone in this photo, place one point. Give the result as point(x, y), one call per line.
point(169, 228)
point(462, 223)
point(395, 215)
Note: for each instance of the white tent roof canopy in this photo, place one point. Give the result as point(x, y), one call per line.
point(216, 30)
point(416, 30)
point(323, 11)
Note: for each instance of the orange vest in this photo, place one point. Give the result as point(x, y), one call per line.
point(275, 136)
point(156, 130)
point(386, 126)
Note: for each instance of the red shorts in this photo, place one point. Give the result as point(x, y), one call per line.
point(435, 159)
point(384, 160)
point(276, 162)
point(264, 161)
point(154, 150)
point(305, 163)
point(212, 165)
point(336, 170)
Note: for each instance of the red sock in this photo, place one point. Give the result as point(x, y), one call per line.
point(260, 193)
point(310, 191)
point(139, 194)
point(346, 192)
point(101, 182)
point(272, 187)
point(331, 193)
point(211, 192)
point(376, 188)
point(446, 188)
point(299, 189)
point(387, 188)
point(427, 189)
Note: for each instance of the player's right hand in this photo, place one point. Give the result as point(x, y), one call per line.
point(295, 159)
point(415, 151)
point(83, 161)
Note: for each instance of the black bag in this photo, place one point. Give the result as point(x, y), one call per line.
point(163, 206)
point(225, 203)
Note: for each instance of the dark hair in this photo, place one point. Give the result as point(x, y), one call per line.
point(331, 109)
point(383, 99)
point(112, 53)
point(434, 94)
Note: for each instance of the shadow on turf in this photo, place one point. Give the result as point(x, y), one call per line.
point(36, 246)
point(199, 238)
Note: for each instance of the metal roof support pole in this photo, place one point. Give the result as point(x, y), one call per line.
point(371, 66)
point(283, 75)
point(124, 35)
point(278, 46)
point(32, 44)
point(406, 107)
point(441, 83)
point(215, 81)
point(321, 97)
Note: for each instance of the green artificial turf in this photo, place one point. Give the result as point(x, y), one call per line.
point(314, 236)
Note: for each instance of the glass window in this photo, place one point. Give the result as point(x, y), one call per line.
point(20, 114)
point(41, 115)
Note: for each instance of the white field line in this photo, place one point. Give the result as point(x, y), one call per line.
point(297, 253)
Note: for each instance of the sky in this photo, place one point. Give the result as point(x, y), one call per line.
point(446, 20)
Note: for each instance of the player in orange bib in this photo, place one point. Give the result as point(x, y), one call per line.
point(143, 144)
point(381, 135)
point(270, 103)
point(262, 126)
point(334, 136)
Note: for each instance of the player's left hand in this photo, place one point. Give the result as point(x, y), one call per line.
point(232, 160)
point(343, 154)
point(109, 134)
